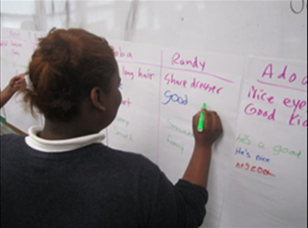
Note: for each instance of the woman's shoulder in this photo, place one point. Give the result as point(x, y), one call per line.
point(8, 139)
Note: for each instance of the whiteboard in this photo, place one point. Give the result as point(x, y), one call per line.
point(258, 173)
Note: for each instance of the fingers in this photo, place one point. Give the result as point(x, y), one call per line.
point(212, 121)
point(208, 120)
point(22, 75)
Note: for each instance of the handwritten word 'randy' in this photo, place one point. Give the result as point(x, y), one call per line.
point(254, 169)
point(193, 63)
point(173, 97)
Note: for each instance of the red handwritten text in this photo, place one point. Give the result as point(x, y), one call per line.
point(254, 169)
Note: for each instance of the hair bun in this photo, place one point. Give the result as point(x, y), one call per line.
point(64, 69)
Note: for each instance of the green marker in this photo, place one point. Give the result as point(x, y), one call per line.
point(200, 127)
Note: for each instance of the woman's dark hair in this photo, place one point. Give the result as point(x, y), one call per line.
point(65, 67)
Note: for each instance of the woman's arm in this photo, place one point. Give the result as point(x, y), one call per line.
point(16, 83)
point(198, 169)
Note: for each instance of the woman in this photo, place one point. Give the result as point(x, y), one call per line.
point(61, 175)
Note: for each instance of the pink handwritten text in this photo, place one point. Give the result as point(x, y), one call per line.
point(4, 43)
point(128, 73)
point(15, 44)
point(196, 84)
point(145, 75)
point(195, 63)
point(297, 106)
point(170, 79)
point(15, 53)
point(261, 95)
point(14, 34)
point(120, 53)
point(251, 110)
point(285, 76)
point(127, 103)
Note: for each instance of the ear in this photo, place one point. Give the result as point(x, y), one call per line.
point(98, 99)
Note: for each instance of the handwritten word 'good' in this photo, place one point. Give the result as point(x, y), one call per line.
point(283, 76)
point(173, 97)
point(254, 169)
point(195, 63)
point(251, 110)
point(283, 150)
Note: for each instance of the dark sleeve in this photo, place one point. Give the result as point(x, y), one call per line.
point(191, 204)
point(179, 206)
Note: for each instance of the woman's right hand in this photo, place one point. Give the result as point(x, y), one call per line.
point(212, 129)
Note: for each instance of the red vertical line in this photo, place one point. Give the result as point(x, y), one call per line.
point(159, 105)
